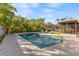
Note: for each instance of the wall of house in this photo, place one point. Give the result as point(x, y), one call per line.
point(1, 30)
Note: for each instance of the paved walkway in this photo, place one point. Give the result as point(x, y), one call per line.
point(10, 47)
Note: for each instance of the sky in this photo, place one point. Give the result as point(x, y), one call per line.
point(49, 11)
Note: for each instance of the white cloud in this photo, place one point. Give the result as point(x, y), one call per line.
point(23, 9)
point(47, 10)
point(52, 9)
point(35, 5)
point(48, 17)
point(50, 13)
point(27, 10)
point(20, 5)
point(55, 5)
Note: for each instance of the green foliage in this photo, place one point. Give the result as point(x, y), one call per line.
point(1, 38)
point(12, 23)
point(6, 15)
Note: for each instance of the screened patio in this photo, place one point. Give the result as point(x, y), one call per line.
point(69, 26)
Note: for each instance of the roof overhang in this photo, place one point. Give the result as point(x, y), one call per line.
point(68, 21)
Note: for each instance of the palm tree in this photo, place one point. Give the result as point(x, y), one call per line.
point(6, 15)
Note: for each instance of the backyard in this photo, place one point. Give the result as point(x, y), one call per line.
point(22, 36)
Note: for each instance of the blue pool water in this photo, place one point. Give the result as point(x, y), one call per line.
point(41, 41)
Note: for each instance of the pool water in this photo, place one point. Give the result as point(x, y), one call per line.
point(41, 41)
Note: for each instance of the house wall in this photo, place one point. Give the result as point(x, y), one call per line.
point(1, 30)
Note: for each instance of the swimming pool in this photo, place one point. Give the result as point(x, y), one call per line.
point(41, 41)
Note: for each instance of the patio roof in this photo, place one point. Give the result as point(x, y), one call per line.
point(68, 21)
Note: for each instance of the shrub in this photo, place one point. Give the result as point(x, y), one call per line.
point(1, 38)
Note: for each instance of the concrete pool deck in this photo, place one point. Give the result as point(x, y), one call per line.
point(13, 46)
point(10, 47)
point(67, 48)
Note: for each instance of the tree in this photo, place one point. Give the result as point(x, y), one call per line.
point(6, 15)
point(34, 24)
